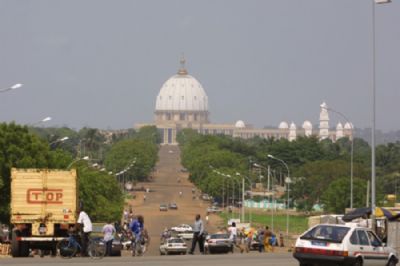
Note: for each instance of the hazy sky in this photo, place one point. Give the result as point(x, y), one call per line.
point(102, 63)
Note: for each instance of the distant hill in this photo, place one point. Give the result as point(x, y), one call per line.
point(380, 137)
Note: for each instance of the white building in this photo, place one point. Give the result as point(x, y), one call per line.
point(183, 103)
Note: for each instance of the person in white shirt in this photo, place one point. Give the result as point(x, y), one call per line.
point(108, 232)
point(233, 236)
point(84, 220)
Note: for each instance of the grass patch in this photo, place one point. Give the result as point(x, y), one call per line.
point(297, 223)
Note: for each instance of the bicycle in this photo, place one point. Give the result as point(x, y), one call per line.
point(139, 245)
point(69, 247)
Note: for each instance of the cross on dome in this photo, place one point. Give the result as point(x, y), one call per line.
point(182, 70)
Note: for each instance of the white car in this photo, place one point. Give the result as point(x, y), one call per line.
point(182, 228)
point(188, 235)
point(173, 245)
point(331, 244)
point(218, 243)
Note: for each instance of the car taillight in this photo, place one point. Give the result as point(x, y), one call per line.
point(326, 252)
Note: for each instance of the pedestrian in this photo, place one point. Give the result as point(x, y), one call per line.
point(260, 238)
point(108, 237)
point(126, 216)
point(267, 240)
point(281, 242)
point(85, 225)
point(207, 219)
point(233, 236)
point(138, 233)
point(249, 239)
point(198, 235)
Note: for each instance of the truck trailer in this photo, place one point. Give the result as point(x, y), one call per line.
point(43, 208)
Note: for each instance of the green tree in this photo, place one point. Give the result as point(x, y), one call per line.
point(336, 198)
point(21, 149)
point(100, 194)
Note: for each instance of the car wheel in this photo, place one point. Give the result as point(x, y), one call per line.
point(358, 262)
point(392, 262)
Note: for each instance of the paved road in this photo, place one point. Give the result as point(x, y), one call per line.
point(165, 189)
point(253, 259)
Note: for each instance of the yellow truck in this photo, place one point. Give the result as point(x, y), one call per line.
point(43, 208)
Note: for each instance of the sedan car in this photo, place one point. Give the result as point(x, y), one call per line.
point(173, 245)
point(182, 228)
point(218, 243)
point(163, 207)
point(213, 209)
point(173, 206)
point(328, 244)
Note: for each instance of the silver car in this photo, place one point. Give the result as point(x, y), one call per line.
point(173, 245)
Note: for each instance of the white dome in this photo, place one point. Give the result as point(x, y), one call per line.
point(307, 125)
point(292, 126)
point(182, 92)
point(283, 125)
point(240, 124)
point(339, 126)
point(348, 126)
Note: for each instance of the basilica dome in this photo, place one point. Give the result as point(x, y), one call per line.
point(182, 92)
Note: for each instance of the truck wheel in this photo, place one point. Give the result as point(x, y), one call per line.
point(15, 244)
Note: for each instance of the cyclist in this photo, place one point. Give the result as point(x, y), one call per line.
point(139, 234)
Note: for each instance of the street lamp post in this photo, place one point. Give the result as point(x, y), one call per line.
point(86, 158)
point(44, 120)
point(13, 87)
point(351, 152)
point(58, 140)
point(251, 187)
point(373, 173)
point(271, 202)
point(287, 181)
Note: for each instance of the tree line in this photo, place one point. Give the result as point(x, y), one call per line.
point(99, 190)
point(319, 170)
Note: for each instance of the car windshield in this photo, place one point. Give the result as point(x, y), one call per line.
point(175, 240)
point(219, 236)
point(327, 233)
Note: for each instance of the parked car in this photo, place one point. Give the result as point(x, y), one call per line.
point(173, 245)
point(117, 245)
point(213, 209)
point(205, 197)
point(173, 206)
point(182, 228)
point(331, 244)
point(218, 243)
point(163, 207)
point(188, 235)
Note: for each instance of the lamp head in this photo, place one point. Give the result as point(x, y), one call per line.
point(16, 86)
point(46, 119)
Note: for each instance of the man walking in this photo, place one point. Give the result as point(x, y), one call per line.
point(87, 229)
point(108, 236)
point(198, 235)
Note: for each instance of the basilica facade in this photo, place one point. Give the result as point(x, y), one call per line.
point(183, 103)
